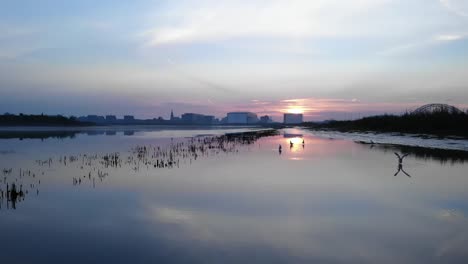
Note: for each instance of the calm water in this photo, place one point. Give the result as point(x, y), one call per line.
point(195, 196)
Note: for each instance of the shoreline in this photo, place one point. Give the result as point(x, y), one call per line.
point(399, 139)
point(421, 134)
point(119, 127)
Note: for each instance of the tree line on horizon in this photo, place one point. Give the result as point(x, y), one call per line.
point(39, 120)
point(437, 123)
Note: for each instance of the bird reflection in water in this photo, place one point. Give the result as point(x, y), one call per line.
point(400, 164)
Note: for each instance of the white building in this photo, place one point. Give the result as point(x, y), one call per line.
point(293, 118)
point(242, 118)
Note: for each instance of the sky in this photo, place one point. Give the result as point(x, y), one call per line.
point(330, 59)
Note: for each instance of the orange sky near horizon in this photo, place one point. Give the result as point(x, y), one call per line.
point(315, 108)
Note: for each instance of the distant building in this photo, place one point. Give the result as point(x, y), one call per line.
point(197, 119)
point(174, 119)
point(293, 118)
point(93, 118)
point(172, 115)
point(242, 118)
point(265, 119)
point(129, 118)
point(111, 118)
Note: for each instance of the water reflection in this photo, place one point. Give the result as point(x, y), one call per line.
point(13, 190)
point(95, 167)
point(427, 154)
point(400, 164)
point(38, 134)
point(63, 133)
point(129, 132)
point(111, 133)
point(228, 199)
point(296, 141)
point(95, 132)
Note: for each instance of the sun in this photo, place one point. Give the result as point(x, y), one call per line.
point(295, 110)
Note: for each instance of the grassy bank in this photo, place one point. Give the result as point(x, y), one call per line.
point(440, 124)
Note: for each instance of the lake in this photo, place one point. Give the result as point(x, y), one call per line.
point(197, 195)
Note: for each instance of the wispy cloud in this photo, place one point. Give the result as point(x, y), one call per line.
point(459, 7)
point(15, 41)
point(449, 37)
point(215, 87)
point(7, 32)
point(425, 43)
point(213, 20)
point(11, 52)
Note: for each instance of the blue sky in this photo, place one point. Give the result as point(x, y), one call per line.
point(330, 58)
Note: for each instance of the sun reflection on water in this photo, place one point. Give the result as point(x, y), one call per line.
point(295, 145)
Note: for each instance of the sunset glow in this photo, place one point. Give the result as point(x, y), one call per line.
point(295, 110)
point(259, 131)
point(296, 145)
point(200, 57)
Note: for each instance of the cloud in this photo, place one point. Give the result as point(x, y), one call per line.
point(212, 21)
point(215, 87)
point(450, 37)
point(459, 7)
point(15, 52)
point(18, 41)
point(425, 43)
point(7, 32)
